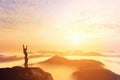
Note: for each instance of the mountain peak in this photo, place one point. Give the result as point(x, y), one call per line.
point(56, 60)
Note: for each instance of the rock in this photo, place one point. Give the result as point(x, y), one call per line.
point(19, 73)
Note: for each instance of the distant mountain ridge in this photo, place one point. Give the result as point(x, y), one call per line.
point(86, 69)
point(75, 52)
point(57, 60)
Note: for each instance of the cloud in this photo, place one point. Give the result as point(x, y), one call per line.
point(55, 19)
point(4, 58)
point(8, 58)
point(45, 53)
point(14, 13)
point(17, 13)
point(7, 9)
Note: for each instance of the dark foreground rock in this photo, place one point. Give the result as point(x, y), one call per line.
point(19, 73)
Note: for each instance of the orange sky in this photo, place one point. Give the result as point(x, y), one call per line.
point(60, 25)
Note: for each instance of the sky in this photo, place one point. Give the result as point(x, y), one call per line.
point(88, 25)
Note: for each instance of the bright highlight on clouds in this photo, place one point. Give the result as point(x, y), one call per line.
point(60, 24)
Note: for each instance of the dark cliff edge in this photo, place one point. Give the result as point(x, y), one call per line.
point(20, 73)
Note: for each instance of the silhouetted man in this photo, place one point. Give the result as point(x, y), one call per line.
point(26, 56)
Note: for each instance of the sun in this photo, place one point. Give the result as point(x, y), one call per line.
point(76, 39)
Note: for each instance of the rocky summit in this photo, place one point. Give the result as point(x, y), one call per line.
point(20, 73)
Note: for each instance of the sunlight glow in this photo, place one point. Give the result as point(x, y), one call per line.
point(77, 39)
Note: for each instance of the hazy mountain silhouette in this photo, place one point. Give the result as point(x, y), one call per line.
point(86, 69)
point(94, 73)
point(57, 60)
point(93, 54)
point(81, 53)
point(19, 73)
point(93, 70)
point(68, 53)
